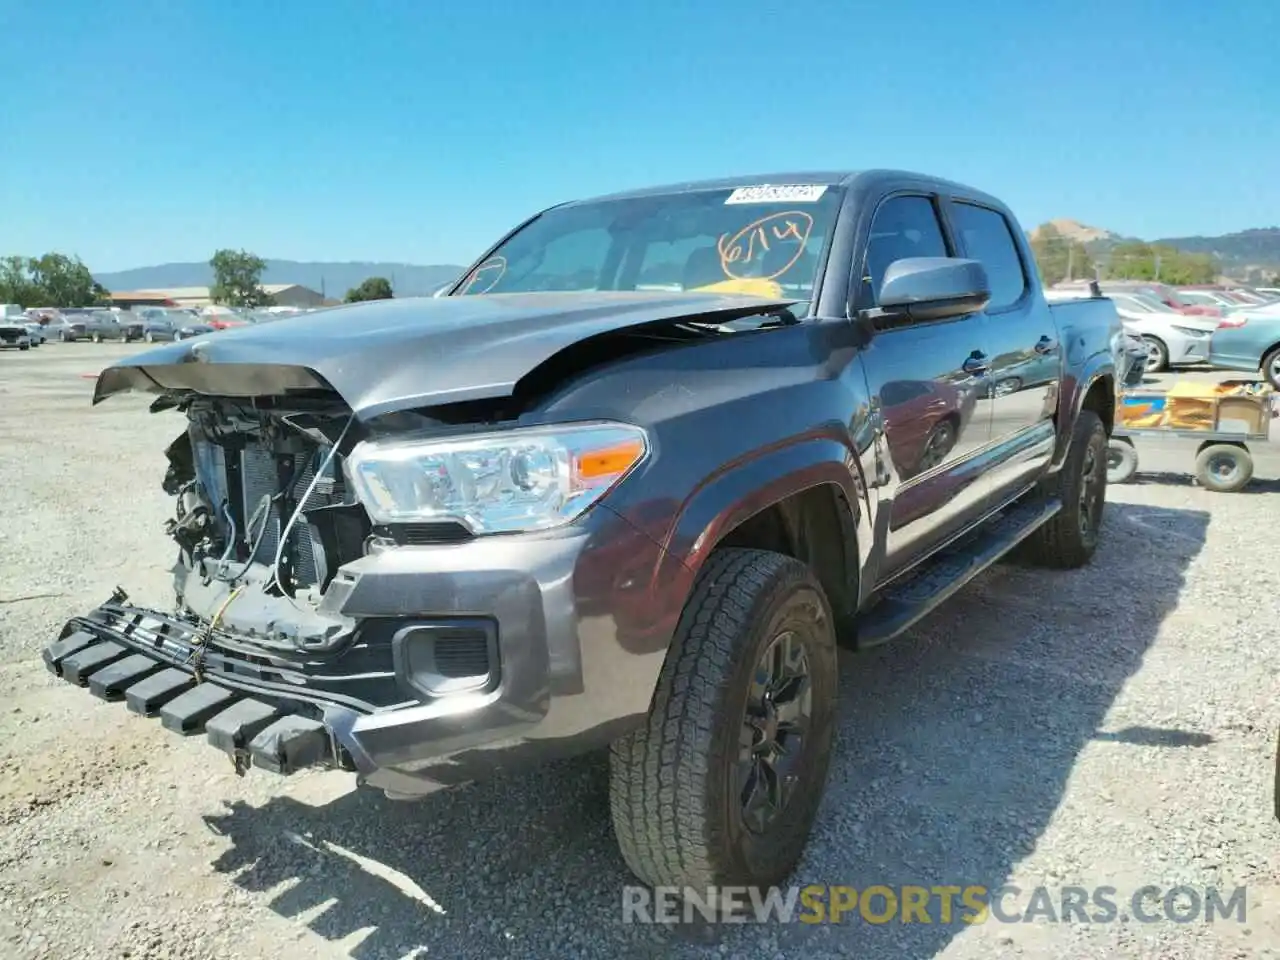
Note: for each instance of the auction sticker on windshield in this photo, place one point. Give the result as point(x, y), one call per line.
point(778, 193)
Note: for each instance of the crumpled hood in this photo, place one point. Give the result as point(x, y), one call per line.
point(389, 355)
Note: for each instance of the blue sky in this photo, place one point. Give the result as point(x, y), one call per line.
point(135, 132)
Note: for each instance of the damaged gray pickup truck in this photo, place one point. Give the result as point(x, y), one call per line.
point(626, 485)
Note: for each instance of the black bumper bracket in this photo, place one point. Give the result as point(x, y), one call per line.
point(149, 695)
point(188, 713)
point(77, 667)
point(290, 744)
point(109, 683)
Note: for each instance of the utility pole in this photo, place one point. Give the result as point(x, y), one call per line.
point(1157, 268)
point(1071, 261)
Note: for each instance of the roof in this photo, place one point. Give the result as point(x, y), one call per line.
point(841, 178)
point(726, 183)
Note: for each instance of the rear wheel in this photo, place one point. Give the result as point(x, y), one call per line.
point(1157, 355)
point(1070, 538)
point(1224, 467)
point(96, 338)
point(722, 783)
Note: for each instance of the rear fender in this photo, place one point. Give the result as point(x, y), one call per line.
point(1100, 370)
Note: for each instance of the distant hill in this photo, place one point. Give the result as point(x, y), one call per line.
point(1238, 254)
point(1236, 251)
point(334, 279)
point(1077, 231)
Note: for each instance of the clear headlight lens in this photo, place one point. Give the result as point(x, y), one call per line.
point(532, 478)
point(1191, 331)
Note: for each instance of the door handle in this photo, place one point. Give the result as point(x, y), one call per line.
point(1045, 345)
point(976, 363)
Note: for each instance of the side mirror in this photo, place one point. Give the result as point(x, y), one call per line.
point(934, 288)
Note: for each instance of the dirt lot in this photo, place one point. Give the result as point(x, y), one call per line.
point(1113, 726)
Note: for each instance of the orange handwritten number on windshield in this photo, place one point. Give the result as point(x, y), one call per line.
point(496, 266)
point(741, 247)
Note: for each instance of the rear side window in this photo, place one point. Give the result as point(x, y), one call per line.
point(902, 227)
point(986, 237)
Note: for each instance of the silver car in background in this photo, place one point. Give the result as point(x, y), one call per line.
point(1173, 339)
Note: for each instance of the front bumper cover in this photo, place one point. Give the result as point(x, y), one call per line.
point(573, 629)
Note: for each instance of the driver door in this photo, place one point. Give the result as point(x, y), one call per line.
point(926, 380)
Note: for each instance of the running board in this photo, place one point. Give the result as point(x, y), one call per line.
point(905, 602)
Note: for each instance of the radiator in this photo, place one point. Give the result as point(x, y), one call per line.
point(260, 478)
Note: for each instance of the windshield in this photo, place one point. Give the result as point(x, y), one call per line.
point(1151, 303)
point(1195, 296)
point(728, 241)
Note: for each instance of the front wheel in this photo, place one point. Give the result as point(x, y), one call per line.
point(722, 783)
point(1070, 538)
point(1271, 368)
point(1157, 355)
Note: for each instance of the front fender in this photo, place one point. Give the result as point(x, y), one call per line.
point(745, 488)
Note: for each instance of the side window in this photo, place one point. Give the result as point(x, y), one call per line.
point(902, 227)
point(987, 237)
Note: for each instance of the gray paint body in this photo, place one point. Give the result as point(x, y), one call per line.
point(737, 422)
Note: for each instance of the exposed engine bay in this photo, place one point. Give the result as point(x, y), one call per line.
point(261, 507)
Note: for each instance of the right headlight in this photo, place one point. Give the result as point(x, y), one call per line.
point(524, 479)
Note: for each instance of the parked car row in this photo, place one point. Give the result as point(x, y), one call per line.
point(1231, 329)
point(147, 324)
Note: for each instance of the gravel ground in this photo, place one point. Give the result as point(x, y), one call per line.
point(1109, 726)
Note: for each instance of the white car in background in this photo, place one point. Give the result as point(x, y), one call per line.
point(1173, 339)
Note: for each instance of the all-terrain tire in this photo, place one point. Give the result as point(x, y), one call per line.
point(674, 793)
point(1070, 538)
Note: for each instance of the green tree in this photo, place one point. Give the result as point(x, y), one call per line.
point(64, 282)
point(237, 279)
point(16, 285)
point(1146, 261)
point(374, 288)
point(1060, 258)
point(53, 280)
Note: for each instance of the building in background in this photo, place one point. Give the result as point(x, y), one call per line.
point(282, 294)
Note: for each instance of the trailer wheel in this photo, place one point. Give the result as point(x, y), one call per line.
point(1122, 460)
point(1224, 467)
